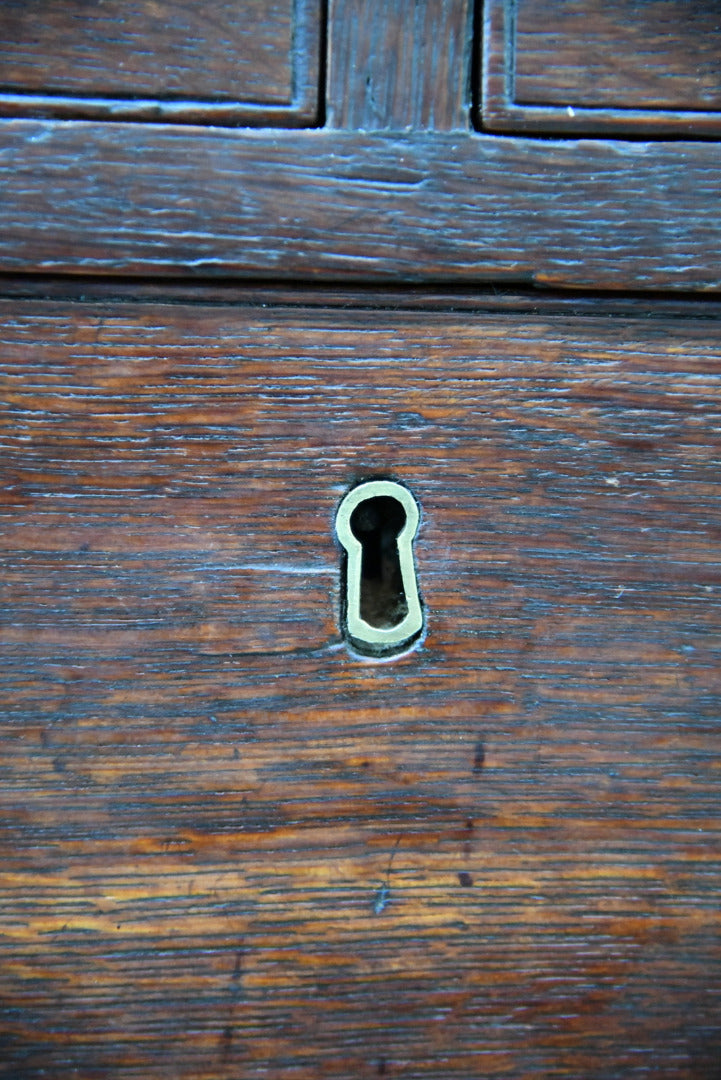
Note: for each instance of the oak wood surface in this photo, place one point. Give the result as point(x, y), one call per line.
point(662, 54)
point(163, 200)
point(232, 849)
point(610, 66)
point(399, 65)
point(216, 62)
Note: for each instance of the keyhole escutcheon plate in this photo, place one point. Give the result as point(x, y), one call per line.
point(376, 524)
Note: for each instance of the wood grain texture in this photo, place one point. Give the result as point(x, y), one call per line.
point(230, 848)
point(218, 62)
point(662, 54)
point(612, 67)
point(399, 65)
point(330, 205)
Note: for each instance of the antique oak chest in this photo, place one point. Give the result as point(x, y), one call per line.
point(254, 255)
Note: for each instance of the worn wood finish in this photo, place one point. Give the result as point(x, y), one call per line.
point(591, 54)
point(216, 62)
point(333, 205)
point(609, 66)
point(230, 848)
point(399, 65)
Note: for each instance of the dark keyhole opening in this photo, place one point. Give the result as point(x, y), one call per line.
point(376, 523)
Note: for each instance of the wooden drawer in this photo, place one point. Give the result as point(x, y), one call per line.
point(233, 848)
point(594, 66)
point(218, 62)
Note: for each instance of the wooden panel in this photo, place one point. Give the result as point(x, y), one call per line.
point(400, 64)
point(662, 54)
point(223, 62)
point(232, 849)
point(332, 205)
point(602, 66)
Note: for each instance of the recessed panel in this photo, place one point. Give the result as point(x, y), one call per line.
point(244, 61)
point(602, 66)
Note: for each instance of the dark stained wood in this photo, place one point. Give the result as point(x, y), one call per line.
point(230, 848)
point(602, 66)
point(331, 205)
point(218, 62)
point(400, 64)
point(662, 54)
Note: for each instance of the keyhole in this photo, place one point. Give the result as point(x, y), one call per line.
point(376, 524)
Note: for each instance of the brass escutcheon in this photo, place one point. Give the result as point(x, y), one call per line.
point(376, 524)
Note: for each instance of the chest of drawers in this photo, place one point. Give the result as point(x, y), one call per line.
point(232, 846)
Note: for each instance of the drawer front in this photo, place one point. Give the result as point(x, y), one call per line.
point(217, 62)
point(234, 848)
